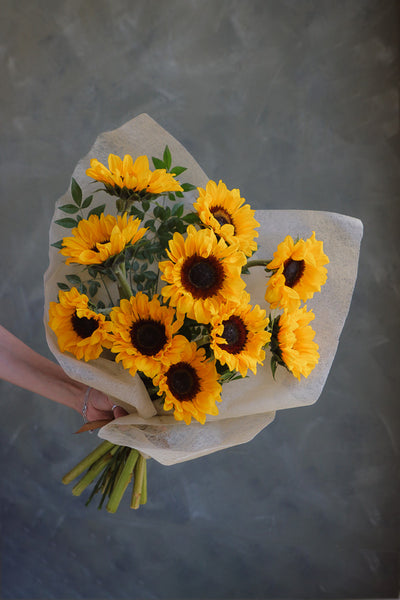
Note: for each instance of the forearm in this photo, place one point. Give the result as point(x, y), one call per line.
point(24, 367)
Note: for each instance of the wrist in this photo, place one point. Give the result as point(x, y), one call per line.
point(77, 396)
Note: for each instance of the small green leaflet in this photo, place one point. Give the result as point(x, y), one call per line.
point(97, 211)
point(69, 208)
point(67, 223)
point(167, 158)
point(187, 187)
point(158, 163)
point(76, 192)
point(178, 170)
point(73, 279)
point(87, 202)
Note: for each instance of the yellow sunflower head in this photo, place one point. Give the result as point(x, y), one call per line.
point(127, 179)
point(96, 239)
point(202, 272)
point(292, 342)
point(222, 210)
point(190, 384)
point(79, 330)
point(299, 272)
point(143, 334)
point(238, 334)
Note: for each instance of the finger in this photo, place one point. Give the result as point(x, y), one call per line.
point(118, 411)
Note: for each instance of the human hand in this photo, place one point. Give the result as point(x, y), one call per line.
point(100, 407)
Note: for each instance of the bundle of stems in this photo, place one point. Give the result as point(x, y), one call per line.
point(113, 468)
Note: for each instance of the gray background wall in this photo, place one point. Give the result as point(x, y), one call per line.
point(295, 103)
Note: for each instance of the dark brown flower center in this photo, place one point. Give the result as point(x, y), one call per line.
point(221, 215)
point(183, 381)
point(293, 271)
point(83, 326)
point(202, 277)
point(235, 333)
point(95, 249)
point(148, 336)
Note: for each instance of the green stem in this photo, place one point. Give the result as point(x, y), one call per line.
point(122, 482)
point(138, 484)
point(125, 288)
point(143, 495)
point(87, 462)
point(257, 263)
point(107, 290)
point(93, 472)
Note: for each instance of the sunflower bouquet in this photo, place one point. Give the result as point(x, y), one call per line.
point(165, 302)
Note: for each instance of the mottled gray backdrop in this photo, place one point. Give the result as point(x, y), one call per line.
point(295, 103)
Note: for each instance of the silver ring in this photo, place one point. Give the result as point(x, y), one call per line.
point(85, 404)
point(114, 406)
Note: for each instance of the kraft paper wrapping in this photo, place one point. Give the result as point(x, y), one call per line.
point(247, 405)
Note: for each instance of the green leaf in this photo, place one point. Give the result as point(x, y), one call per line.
point(163, 229)
point(73, 279)
point(58, 244)
point(171, 196)
point(191, 218)
point(178, 170)
point(167, 158)
point(273, 366)
point(76, 192)
point(63, 286)
point(172, 224)
point(159, 164)
point(93, 272)
point(69, 208)
point(136, 212)
point(87, 202)
point(93, 288)
point(145, 205)
point(179, 194)
point(177, 210)
point(68, 223)
point(150, 224)
point(159, 212)
point(187, 187)
point(97, 211)
point(181, 227)
point(151, 275)
point(100, 304)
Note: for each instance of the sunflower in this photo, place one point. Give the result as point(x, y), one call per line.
point(292, 342)
point(201, 273)
point(299, 272)
point(127, 179)
point(190, 384)
point(96, 239)
point(222, 210)
point(143, 334)
point(238, 333)
point(79, 330)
